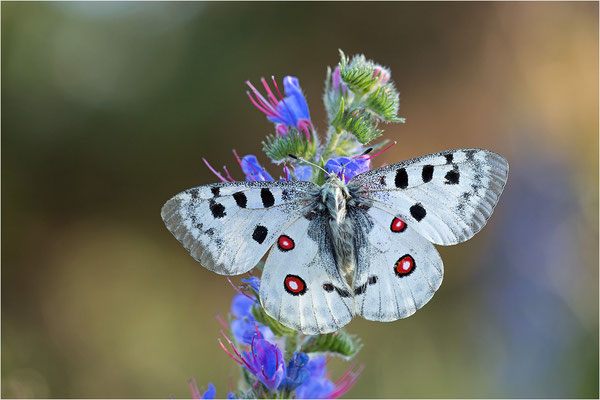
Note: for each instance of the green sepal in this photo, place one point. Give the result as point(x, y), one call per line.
point(357, 73)
point(340, 342)
point(331, 97)
point(278, 148)
point(385, 102)
point(277, 328)
point(362, 125)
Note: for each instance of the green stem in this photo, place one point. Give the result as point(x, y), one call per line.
point(332, 144)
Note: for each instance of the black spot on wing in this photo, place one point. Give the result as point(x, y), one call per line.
point(449, 158)
point(342, 292)
point(401, 179)
point(215, 191)
point(217, 209)
point(361, 289)
point(285, 195)
point(328, 287)
point(418, 212)
point(260, 234)
point(240, 199)
point(382, 180)
point(452, 177)
point(427, 173)
point(194, 193)
point(267, 197)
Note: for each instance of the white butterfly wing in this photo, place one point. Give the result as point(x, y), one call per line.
point(397, 272)
point(446, 197)
point(301, 285)
point(228, 227)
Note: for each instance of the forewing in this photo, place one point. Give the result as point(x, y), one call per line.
point(397, 271)
point(228, 227)
point(301, 285)
point(446, 197)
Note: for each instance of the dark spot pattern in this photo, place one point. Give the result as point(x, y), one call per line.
point(360, 290)
point(210, 232)
point(328, 287)
point(427, 173)
point(215, 191)
point(418, 212)
point(267, 197)
point(382, 180)
point(310, 215)
point(401, 179)
point(452, 177)
point(194, 193)
point(260, 234)
point(342, 292)
point(240, 199)
point(285, 195)
point(217, 209)
point(470, 155)
point(363, 288)
point(449, 158)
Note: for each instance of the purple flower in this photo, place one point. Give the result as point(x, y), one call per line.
point(288, 112)
point(265, 361)
point(297, 371)
point(253, 170)
point(352, 167)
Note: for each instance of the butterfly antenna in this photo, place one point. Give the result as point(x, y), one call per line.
point(308, 162)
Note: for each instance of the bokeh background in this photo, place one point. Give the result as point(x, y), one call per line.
point(107, 109)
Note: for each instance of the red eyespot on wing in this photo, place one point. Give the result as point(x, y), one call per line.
point(285, 243)
point(404, 266)
point(294, 285)
point(398, 225)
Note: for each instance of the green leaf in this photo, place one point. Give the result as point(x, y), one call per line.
point(278, 148)
point(278, 329)
point(357, 73)
point(339, 342)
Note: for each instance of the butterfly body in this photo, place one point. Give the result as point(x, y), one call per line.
point(339, 250)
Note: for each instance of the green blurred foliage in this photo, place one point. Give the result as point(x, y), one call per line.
point(108, 108)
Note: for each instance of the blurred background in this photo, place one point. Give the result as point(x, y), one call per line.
point(108, 108)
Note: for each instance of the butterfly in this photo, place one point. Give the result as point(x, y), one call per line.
point(338, 250)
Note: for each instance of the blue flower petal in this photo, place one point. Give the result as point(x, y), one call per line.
point(253, 170)
point(210, 393)
point(317, 367)
point(293, 107)
point(315, 388)
point(230, 395)
point(297, 371)
point(352, 167)
point(303, 173)
point(266, 362)
point(254, 282)
point(241, 306)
